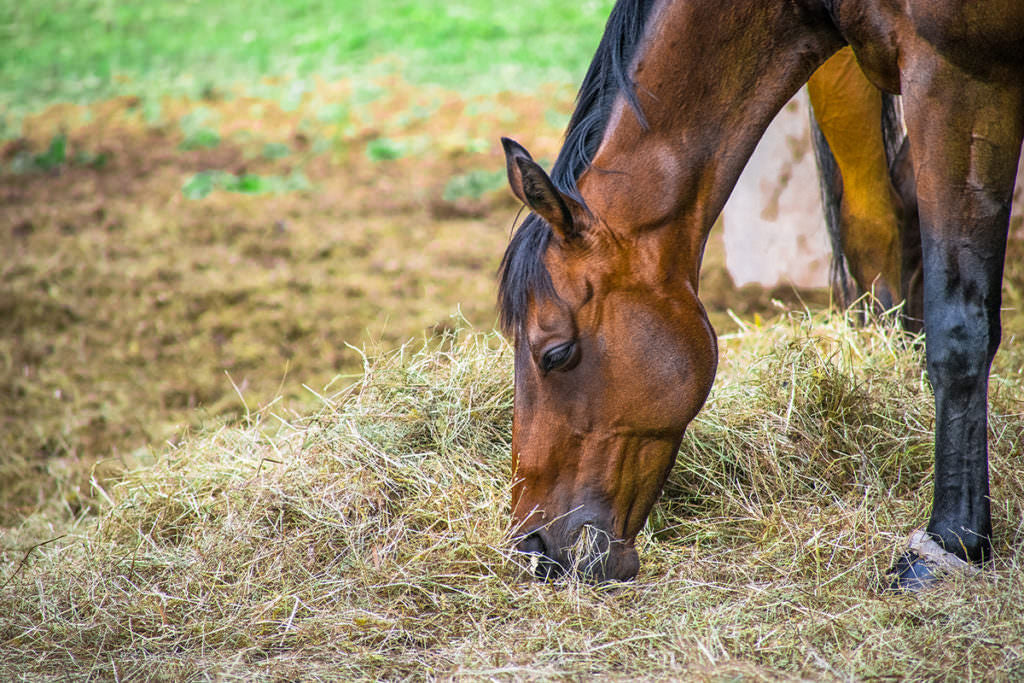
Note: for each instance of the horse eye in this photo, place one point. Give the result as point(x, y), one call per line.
point(558, 357)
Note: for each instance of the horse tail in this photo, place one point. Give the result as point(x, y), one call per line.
point(892, 127)
point(830, 183)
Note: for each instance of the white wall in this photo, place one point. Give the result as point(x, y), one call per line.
point(774, 227)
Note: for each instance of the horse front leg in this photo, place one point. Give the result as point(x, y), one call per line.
point(965, 138)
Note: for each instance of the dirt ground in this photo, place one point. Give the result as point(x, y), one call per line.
point(364, 217)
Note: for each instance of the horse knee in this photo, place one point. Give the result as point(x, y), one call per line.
point(961, 343)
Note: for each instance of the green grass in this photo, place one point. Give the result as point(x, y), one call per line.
point(64, 50)
point(203, 183)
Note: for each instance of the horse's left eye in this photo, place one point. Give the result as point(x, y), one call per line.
point(558, 357)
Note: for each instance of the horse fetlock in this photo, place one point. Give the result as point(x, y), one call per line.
point(969, 546)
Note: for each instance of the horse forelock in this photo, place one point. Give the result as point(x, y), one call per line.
point(522, 273)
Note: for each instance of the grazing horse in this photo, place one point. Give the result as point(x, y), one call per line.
point(614, 355)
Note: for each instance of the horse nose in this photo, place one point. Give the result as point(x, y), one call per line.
point(546, 567)
point(532, 545)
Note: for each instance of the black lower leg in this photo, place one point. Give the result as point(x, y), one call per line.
point(962, 333)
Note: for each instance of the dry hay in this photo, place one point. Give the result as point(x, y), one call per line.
point(369, 540)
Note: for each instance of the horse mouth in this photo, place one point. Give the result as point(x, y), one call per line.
point(592, 555)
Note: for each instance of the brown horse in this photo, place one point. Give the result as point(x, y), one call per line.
point(614, 355)
point(867, 187)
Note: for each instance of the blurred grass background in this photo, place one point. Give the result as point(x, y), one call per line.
point(80, 51)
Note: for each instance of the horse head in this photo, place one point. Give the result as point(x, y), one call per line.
point(612, 360)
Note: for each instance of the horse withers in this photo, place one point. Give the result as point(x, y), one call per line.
point(614, 355)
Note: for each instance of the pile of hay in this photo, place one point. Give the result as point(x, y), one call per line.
point(369, 540)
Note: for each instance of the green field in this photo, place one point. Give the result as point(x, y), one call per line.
point(66, 50)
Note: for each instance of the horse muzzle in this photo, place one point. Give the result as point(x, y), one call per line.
point(585, 551)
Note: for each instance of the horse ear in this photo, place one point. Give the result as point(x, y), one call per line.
point(532, 185)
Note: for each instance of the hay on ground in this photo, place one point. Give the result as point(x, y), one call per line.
point(369, 540)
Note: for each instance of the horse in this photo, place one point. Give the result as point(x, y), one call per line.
point(613, 352)
point(857, 135)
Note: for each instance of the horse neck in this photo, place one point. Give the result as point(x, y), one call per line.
point(709, 79)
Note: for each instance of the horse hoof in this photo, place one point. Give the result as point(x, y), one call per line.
point(924, 564)
point(910, 574)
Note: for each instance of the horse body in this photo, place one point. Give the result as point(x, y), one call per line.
point(614, 353)
point(867, 188)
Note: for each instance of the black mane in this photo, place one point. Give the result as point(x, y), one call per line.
point(522, 270)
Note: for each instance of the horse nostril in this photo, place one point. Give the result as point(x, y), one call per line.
point(545, 567)
point(532, 544)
